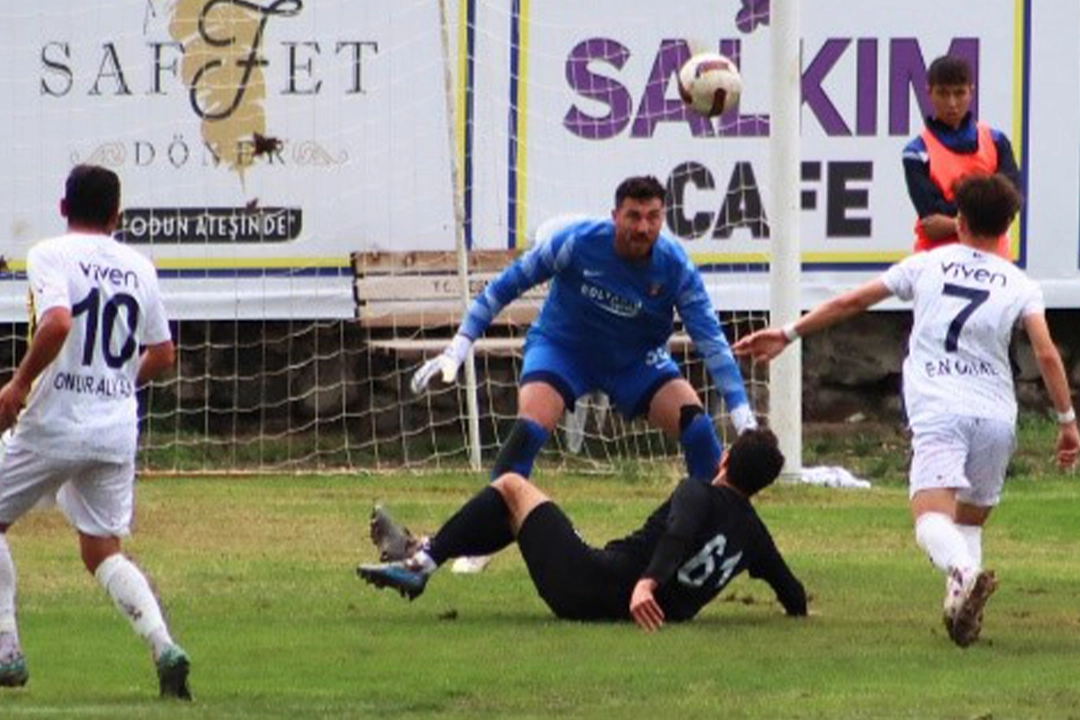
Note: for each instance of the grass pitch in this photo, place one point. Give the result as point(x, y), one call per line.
point(257, 578)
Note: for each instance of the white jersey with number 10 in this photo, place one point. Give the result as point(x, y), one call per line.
point(967, 303)
point(83, 405)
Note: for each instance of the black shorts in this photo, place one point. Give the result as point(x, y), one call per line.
point(577, 581)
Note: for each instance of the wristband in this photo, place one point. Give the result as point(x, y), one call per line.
point(1064, 418)
point(790, 333)
point(459, 347)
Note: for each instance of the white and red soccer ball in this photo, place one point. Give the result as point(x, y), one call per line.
point(710, 83)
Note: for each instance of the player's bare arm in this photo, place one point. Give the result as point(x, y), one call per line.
point(155, 360)
point(1057, 385)
point(764, 345)
point(938, 226)
point(52, 330)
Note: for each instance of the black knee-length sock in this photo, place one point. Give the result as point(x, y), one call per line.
point(480, 527)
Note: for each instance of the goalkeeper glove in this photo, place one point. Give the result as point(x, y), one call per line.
point(448, 362)
point(742, 417)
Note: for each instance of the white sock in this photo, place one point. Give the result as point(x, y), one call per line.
point(131, 593)
point(938, 535)
point(973, 538)
point(423, 562)
point(7, 589)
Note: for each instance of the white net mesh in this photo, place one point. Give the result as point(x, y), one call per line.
point(553, 105)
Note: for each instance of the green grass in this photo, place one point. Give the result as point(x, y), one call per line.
point(257, 577)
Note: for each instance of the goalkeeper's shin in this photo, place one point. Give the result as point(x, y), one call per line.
point(700, 445)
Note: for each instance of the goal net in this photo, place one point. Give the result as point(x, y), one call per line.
point(322, 184)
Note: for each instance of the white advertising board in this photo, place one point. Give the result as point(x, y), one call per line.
point(596, 101)
point(260, 142)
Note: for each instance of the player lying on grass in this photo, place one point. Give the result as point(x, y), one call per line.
point(686, 552)
point(958, 386)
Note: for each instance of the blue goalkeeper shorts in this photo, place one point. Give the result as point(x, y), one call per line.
point(574, 373)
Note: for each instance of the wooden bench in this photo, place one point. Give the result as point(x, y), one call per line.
point(420, 289)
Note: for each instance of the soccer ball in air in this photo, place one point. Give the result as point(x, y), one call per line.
point(710, 83)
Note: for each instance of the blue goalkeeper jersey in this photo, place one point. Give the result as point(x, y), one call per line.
point(612, 310)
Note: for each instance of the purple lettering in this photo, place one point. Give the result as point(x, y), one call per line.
point(813, 95)
point(866, 87)
point(733, 123)
point(752, 14)
point(655, 108)
point(601, 88)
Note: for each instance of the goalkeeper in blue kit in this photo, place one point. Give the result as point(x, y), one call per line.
point(610, 311)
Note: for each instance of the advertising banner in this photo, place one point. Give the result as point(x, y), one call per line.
point(261, 142)
point(258, 143)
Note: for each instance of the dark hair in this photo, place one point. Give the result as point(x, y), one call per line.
point(640, 187)
point(949, 70)
point(988, 203)
point(92, 195)
point(754, 461)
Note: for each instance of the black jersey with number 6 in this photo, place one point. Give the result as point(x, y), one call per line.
point(697, 541)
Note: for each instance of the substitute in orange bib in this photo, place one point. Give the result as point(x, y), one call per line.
point(951, 146)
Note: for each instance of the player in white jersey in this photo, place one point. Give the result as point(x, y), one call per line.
point(99, 332)
point(958, 386)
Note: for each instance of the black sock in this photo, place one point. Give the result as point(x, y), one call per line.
point(518, 453)
point(480, 527)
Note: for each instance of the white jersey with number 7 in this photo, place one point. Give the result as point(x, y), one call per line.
point(83, 405)
point(967, 303)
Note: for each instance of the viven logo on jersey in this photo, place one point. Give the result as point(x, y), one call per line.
point(610, 302)
point(960, 271)
point(116, 276)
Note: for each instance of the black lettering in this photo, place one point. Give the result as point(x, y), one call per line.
point(809, 172)
point(305, 66)
point(357, 48)
point(842, 198)
point(684, 174)
point(56, 64)
point(110, 68)
point(249, 63)
point(742, 206)
point(158, 66)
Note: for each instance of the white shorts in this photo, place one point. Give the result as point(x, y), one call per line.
point(96, 496)
point(966, 453)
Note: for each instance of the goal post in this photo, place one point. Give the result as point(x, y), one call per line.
point(472, 406)
point(785, 378)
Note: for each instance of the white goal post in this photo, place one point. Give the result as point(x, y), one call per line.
point(472, 406)
point(785, 378)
